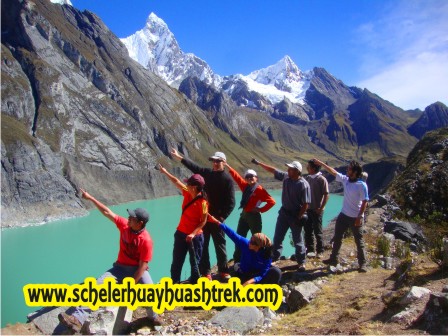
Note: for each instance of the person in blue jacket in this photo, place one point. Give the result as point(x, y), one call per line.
point(255, 266)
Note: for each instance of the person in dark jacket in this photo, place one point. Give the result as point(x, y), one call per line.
point(255, 266)
point(221, 197)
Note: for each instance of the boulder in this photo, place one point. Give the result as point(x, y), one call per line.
point(104, 321)
point(414, 294)
point(301, 295)
point(239, 319)
point(435, 317)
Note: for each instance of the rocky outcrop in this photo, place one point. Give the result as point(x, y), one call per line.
point(426, 173)
point(435, 116)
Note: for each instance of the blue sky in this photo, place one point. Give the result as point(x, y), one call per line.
point(396, 49)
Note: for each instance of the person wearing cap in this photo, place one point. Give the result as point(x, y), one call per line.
point(356, 197)
point(319, 198)
point(221, 198)
point(296, 198)
point(255, 266)
point(188, 236)
point(133, 257)
point(253, 196)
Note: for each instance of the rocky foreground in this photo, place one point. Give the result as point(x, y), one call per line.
point(399, 295)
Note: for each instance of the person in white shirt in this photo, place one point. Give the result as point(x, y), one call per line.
point(354, 205)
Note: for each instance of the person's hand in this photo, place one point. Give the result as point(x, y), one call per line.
point(175, 155)
point(189, 238)
point(319, 210)
point(358, 221)
point(211, 219)
point(255, 161)
point(161, 168)
point(249, 282)
point(255, 210)
point(317, 162)
point(85, 194)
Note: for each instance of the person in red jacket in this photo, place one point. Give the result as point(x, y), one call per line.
point(254, 195)
point(188, 236)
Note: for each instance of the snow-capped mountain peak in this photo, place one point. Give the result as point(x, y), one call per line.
point(281, 80)
point(283, 69)
point(62, 2)
point(156, 48)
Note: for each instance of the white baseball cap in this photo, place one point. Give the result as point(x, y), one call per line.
point(218, 156)
point(250, 172)
point(295, 164)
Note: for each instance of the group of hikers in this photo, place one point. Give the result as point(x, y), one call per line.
point(208, 200)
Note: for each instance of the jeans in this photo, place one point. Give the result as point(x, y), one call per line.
point(219, 239)
point(180, 249)
point(287, 221)
point(313, 227)
point(117, 272)
point(342, 224)
point(248, 221)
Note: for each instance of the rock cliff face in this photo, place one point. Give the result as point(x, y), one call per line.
point(422, 188)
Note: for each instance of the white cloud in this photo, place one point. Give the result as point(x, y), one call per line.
point(405, 54)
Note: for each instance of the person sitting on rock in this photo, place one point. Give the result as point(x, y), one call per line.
point(133, 257)
point(255, 266)
point(188, 236)
point(253, 196)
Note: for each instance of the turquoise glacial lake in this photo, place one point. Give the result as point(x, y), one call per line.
point(68, 251)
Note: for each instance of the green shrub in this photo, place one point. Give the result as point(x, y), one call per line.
point(383, 246)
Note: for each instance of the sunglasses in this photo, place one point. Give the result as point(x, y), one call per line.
point(216, 161)
point(249, 176)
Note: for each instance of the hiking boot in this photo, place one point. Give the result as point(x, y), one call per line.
point(320, 255)
point(208, 276)
point(311, 254)
point(362, 268)
point(70, 322)
point(224, 276)
point(330, 262)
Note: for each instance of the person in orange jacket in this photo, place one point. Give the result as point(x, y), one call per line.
point(254, 195)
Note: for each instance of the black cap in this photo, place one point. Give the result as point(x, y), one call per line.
point(140, 214)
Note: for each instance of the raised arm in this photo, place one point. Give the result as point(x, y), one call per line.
point(101, 207)
point(266, 167)
point(331, 170)
point(242, 184)
point(177, 183)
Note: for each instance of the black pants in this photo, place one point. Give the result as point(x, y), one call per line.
point(273, 276)
point(219, 239)
point(248, 221)
point(342, 224)
point(313, 227)
point(180, 249)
